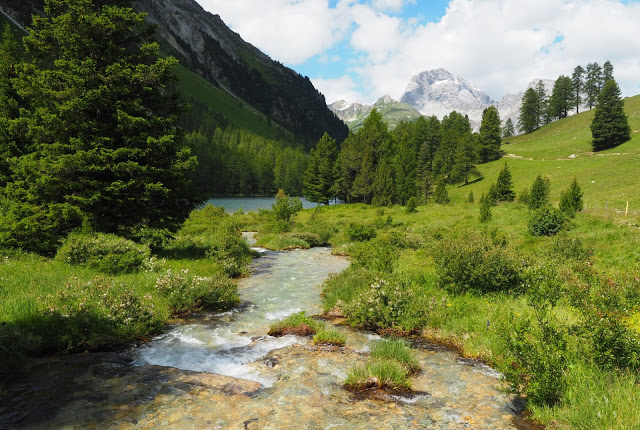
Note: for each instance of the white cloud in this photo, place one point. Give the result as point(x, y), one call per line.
point(498, 45)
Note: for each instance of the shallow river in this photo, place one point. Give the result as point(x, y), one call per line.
point(223, 371)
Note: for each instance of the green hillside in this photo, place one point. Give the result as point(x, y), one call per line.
point(562, 150)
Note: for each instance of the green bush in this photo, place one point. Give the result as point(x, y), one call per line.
point(475, 264)
point(185, 293)
point(412, 204)
point(546, 221)
point(360, 232)
point(95, 314)
point(103, 252)
point(378, 254)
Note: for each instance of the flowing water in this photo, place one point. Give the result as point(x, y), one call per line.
point(223, 371)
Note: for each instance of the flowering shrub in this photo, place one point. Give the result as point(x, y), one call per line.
point(104, 252)
point(98, 313)
point(185, 293)
point(383, 304)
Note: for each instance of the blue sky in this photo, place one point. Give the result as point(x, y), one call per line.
point(364, 49)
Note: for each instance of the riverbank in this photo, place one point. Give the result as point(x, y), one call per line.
point(525, 304)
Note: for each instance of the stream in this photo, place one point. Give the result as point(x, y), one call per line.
point(218, 371)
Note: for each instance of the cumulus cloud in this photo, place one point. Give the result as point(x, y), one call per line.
point(498, 45)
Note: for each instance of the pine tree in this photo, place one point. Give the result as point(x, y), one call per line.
point(509, 129)
point(610, 126)
point(470, 198)
point(607, 73)
point(383, 194)
point(485, 209)
point(593, 83)
point(571, 199)
point(490, 135)
point(543, 104)
point(441, 196)
point(504, 186)
point(577, 80)
point(319, 177)
point(562, 98)
point(539, 195)
point(405, 170)
point(529, 119)
point(465, 159)
point(101, 112)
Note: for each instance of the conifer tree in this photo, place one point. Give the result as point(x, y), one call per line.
point(490, 135)
point(610, 126)
point(508, 130)
point(607, 73)
point(539, 195)
point(405, 170)
point(577, 80)
point(100, 114)
point(543, 104)
point(504, 186)
point(562, 98)
point(571, 199)
point(485, 209)
point(470, 198)
point(592, 84)
point(320, 174)
point(465, 159)
point(441, 196)
point(382, 186)
point(529, 119)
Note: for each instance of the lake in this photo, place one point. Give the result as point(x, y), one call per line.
point(250, 204)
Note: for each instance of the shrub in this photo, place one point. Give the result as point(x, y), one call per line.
point(412, 203)
point(98, 313)
point(330, 337)
point(185, 293)
point(381, 304)
point(285, 207)
point(470, 198)
point(570, 248)
point(440, 195)
point(474, 264)
point(103, 252)
point(360, 232)
point(378, 254)
point(485, 209)
point(546, 221)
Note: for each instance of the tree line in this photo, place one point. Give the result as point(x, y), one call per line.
point(385, 167)
point(569, 93)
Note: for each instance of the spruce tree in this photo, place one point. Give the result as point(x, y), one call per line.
point(101, 112)
point(562, 98)
point(593, 83)
point(485, 209)
point(441, 196)
point(543, 104)
point(529, 119)
point(571, 199)
point(577, 80)
point(607, 73)
point(539, 194)
point(470, 198)
point(610, 126)
point(508, 130)
point(383, 194)
point(504, 186)
point(319, 176)
point(465, 159)
point(11, 144)
point(490, 135)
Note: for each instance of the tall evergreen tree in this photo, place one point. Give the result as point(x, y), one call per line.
point(593, 83)
point(383, 186)
point(577, 80)
point(508, 130)
point(441, 196)
point(490, 135)
point(543, 104)
point(562, 98)
point(405, 170)
point(465, 160)
point(607, 73)
point(610, 125)
point(529, 119)
point(320, 174)
point(101, 117)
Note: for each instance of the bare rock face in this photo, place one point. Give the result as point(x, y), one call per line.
point(438, 92)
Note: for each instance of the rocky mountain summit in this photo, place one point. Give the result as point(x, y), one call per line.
point(438, 92)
